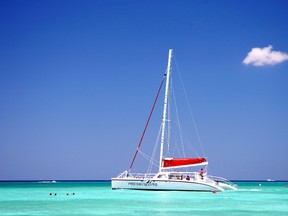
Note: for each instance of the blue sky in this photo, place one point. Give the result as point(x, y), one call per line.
point(78, 78)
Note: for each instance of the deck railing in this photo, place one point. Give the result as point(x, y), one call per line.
point(177, 176)
point(220, 179)
point(126, 174)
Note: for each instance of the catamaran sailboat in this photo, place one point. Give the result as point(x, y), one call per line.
point(169, 176)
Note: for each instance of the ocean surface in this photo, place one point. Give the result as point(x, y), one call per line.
point(97, 198)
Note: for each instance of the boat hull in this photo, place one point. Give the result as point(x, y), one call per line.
point(164, 185)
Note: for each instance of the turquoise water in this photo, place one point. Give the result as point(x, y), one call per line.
point(97, 198)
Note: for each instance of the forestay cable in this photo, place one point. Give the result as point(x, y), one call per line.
point(147, 123)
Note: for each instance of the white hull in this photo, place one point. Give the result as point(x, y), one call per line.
point(166, 184)
point(160, 185)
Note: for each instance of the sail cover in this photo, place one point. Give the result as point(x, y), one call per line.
point(183, 162)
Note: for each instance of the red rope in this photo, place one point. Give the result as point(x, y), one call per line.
point(147, 123)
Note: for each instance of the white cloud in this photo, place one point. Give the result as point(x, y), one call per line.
point(264, 56)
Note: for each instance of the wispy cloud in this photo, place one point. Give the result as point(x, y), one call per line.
point(264, 56)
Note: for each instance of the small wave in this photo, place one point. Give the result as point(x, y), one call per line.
point(249, 190)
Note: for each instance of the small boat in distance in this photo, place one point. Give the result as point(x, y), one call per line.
point(169, 178)
point(47, 181)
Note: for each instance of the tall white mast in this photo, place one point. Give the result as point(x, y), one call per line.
point(165, 109)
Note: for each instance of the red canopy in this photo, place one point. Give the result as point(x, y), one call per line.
point(183, 162)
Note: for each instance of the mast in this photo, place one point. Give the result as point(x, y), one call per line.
point(165, 109)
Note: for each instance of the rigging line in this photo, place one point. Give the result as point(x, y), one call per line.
point(189, 143)
point(154, 151)
point(191, 113)
point(148, 158)
point(178, 124)
point(147, 123)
